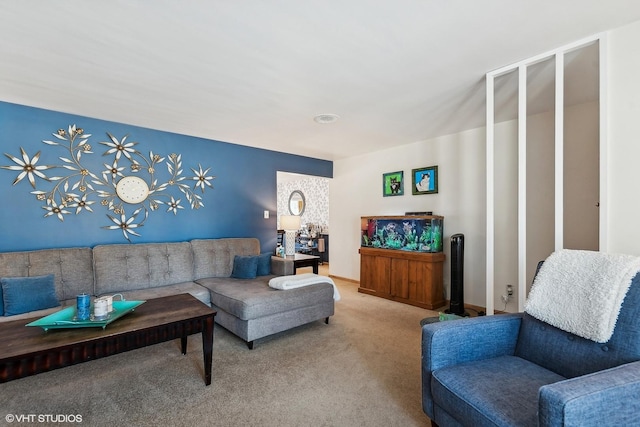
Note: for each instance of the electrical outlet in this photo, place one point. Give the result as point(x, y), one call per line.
point(509, 290)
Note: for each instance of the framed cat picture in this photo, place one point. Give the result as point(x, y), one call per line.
point(424, 180)
point(393, 184)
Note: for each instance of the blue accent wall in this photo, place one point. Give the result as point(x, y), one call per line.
point(244, 187)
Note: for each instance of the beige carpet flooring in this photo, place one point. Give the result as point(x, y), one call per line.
point(363, 369)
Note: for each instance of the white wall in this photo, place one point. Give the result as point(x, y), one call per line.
point(624, 140)
point(505, 175)
point(581, 178)
point(356, 191)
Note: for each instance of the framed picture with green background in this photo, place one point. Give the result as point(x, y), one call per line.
point(393, 184)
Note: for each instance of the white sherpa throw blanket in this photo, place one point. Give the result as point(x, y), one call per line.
point(299, 280)
point(582, 291)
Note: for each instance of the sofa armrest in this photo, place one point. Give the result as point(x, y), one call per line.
point(606, 397)
point(457, 341)
point(281, 266)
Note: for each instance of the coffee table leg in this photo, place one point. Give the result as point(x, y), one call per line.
point(315, 267)
point(183, 344)
point(207, 347)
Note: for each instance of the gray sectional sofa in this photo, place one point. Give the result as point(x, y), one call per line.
point(248, 308)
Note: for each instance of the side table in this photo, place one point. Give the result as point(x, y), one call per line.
point(302, 260)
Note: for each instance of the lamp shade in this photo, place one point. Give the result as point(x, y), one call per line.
point(290, 222)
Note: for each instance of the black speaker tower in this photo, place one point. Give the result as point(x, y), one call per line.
point(456, 305)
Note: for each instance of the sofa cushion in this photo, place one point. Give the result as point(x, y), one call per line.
point(39, 313)
point(24, 294)
point(192, 288)
point(244, 267)
point(72, 267)
point(264, 264)
point(125, 267)
point(481, 393)
point(253, 298)
point(214, 257)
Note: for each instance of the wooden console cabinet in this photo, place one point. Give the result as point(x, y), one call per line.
point(408, 277)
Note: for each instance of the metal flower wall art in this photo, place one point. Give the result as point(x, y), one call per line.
point(127, 187)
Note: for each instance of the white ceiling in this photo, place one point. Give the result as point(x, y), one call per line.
point(256, 72)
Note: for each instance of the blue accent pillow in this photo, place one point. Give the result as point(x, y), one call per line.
point(1, 302)
point(264, 264)
point(244, 267)
point(25, 294)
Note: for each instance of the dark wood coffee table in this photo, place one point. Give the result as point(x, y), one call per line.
point(28, 351)
point(302, 260)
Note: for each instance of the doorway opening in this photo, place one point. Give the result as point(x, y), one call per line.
point(306, 196)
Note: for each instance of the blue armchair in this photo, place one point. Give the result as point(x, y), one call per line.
point(515, 370)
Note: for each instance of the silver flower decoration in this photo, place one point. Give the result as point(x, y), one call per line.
point(124, 224)
point(53, 209)
point(27, 166)
point(174, 205)
point(201, 178)
point(114, 170)
point(81, 203)
point(119, 147)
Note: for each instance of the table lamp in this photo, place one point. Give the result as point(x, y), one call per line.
point(290, 224)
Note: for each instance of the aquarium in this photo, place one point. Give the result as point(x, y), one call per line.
point(413, 233)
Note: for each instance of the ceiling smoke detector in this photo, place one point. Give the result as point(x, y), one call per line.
point(326, 118)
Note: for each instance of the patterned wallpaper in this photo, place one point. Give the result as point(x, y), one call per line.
point(316, 194)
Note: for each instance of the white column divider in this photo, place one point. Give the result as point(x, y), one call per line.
point(490, 148)
point(603, 49)
point(559, 153)
point(522, 183)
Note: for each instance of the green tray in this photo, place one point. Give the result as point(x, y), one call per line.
point(66, 318)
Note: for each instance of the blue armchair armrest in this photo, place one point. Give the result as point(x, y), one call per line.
point(602, 398)
point(458, 341)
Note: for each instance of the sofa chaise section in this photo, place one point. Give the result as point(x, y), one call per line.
point(249, 308)
point(252, 310)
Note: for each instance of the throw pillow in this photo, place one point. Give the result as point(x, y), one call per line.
point(1, 301)
point(25, 294)
point(264, 264)
point(244, 267)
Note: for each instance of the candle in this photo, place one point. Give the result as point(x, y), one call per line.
point(109, 300)
point(82, 307)
point(100, 309)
